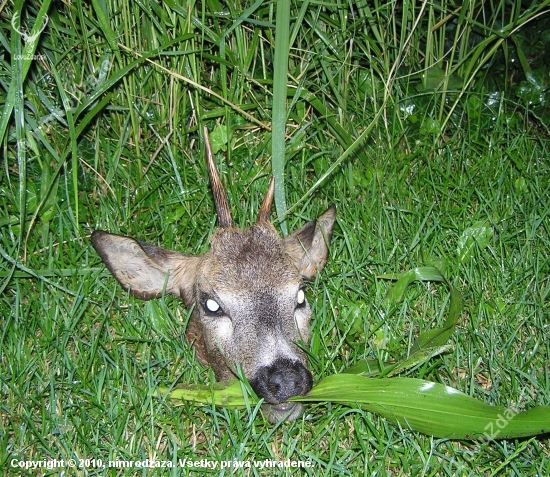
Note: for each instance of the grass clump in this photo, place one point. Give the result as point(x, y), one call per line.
point(100, 130)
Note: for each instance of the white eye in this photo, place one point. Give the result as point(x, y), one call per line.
point(212, 305)
point(301, 297)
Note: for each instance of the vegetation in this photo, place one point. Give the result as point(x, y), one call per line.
point(427, 124)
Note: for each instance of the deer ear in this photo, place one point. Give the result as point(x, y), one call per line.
point(146, 270)
point(308, 246)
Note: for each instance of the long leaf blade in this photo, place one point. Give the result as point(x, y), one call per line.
point(430, 408)
point(415, 404)
point(279, 105)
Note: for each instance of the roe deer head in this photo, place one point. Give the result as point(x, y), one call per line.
point(247, 293)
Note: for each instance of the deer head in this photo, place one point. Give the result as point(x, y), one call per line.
point(247, 292)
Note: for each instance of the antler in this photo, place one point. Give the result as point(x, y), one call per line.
point(265, 209)
point(220, 199)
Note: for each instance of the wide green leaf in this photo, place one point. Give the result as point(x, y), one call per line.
point(395, 293)
point(415, 404)
point(227, 395)
point(430, 408)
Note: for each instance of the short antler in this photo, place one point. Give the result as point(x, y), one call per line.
point(265, 209)
point(220, 199)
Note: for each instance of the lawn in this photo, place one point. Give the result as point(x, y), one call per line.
point(427, 125)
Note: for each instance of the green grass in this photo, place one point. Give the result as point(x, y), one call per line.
point(102, 138)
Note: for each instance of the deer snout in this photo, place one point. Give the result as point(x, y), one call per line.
point(279, 381)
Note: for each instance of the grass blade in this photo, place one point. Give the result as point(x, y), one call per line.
point(282, 32)
point(26, 59)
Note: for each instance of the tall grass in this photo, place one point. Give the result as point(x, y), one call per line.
point(420, 121)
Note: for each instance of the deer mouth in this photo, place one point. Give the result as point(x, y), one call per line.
point(285, 411)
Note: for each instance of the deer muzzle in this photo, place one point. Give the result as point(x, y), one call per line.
point(279, 381)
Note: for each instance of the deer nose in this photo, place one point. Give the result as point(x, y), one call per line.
point(281, 380)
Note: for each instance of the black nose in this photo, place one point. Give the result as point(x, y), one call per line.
point(281, 380)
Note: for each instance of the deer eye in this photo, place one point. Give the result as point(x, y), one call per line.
point(211, 305)
point(301, 297)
